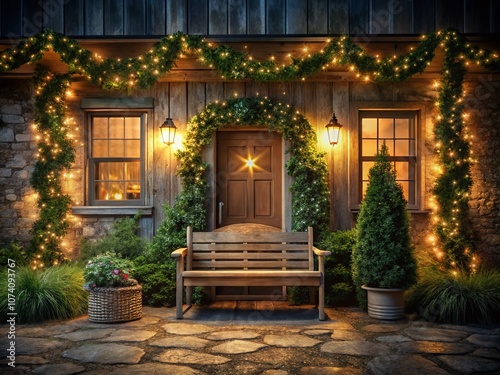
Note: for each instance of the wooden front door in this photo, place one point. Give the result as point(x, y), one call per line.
point(249, 178)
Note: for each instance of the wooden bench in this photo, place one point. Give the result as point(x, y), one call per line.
point(248, 259)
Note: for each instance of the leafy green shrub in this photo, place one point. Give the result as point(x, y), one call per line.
point(383, 256)
point(52, 293)
point(339, 288)
point(108, 270)
point(123, 240)
point(15, 252)
point(443, 297)
point(156, 269)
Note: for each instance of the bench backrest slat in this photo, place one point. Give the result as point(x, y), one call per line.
point(258, 250)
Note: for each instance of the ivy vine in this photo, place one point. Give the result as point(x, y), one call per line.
point(310, 195)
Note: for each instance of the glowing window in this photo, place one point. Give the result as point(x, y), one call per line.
point(398, 129)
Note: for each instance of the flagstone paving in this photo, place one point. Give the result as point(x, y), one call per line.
point(347, 343)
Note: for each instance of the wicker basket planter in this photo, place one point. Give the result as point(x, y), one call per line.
point(110, 305)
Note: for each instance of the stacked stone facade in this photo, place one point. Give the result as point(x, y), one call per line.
point(18, 208)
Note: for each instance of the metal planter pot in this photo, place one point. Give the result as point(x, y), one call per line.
point(385, 304)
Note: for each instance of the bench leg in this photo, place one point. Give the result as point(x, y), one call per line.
point(179, 289)
point(321, 294)
point(321, 302)
point(189, 294)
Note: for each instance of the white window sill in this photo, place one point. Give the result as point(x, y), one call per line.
point(111, 210)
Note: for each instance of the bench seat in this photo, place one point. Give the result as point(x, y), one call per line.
point(248, 259)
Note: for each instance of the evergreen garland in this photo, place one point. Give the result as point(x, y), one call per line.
point(452, 187)
point(310, 195)
point(55, 154)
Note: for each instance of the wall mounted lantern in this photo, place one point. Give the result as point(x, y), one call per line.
point(333, 130)
point(168, 129)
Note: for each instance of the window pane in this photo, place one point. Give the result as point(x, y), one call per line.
point(100, 127)
point(116, 190)
point(390, 147)
point(402, 148)
point(134, 190)
point(116, 149)
point(100, 148)
point(133, 170)
point(133, 148)
point(101, 191)
point(101, 171)
point(133, 127)
point(402, 170)
point(405, 185)
point(369, 128)
point(386, 128)
point(116, 171)
point(116, 129)
point(402, 127)
point(369, 147)
point(365, 185)
point(366, 168)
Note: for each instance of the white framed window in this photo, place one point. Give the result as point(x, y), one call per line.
point(399, 129)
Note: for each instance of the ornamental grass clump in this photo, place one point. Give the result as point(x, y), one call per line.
point(108, 271)
point(445, 297)
point(51, 293)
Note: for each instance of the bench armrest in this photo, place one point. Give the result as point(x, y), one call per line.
point(321, 253)
point(179, 253)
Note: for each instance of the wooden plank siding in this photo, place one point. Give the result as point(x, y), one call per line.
point(104, 18)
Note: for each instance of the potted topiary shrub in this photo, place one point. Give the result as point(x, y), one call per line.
point(114, 296)
point(383, 260)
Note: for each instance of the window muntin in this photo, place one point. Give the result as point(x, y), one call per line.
point(116, 162)
point(398, 129)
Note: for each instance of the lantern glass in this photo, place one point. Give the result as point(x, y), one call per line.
point(168, 129)
point(333, 130)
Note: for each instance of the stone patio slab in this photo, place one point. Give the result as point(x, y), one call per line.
point(59, 369)
point(470, 365)
point(404, 364)
point(110, 353)
point(363, 348)
point(149, 369)
point(237, 347)
point(187, 342)
point(87, 334)
point(330, 371)
point(129, 335)
point(190, 357)
point(392, 339)
point(488, 341)
point(290, 341)
point(435, 334)
point(346, 335)
point(433, 347)
point(34, 345)
point(187, 329)
point(233, 335)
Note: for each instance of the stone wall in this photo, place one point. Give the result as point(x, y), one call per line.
point(483, 106)
point(18, 208)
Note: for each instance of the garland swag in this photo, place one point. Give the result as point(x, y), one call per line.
point(310, 196)
point(55, 154)
point(452, 187)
